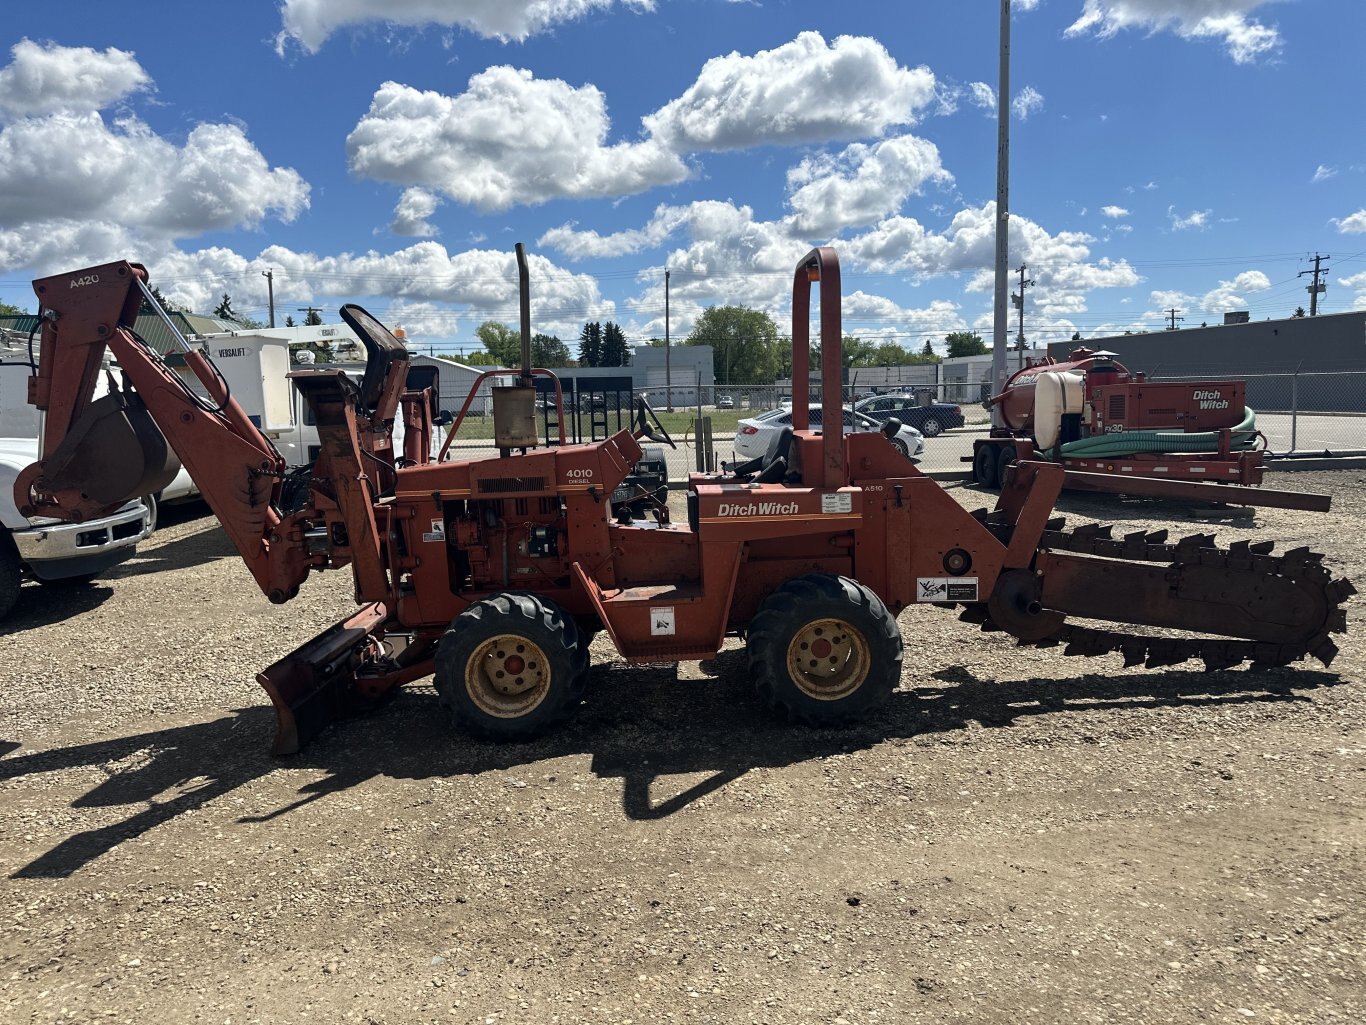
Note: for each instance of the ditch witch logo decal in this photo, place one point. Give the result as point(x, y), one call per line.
point(757, 509)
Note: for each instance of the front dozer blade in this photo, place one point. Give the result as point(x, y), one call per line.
point(114, 452)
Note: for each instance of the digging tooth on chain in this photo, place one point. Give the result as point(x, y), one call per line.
point(1056, 523)
point(1263, 547)
point(1340, 590)
point(1157, 537)
point(1325, 651)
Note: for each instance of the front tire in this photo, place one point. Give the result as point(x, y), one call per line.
point(152, 502)
point(901, 448)
point(824, 650)
point(931, 428)
point(511, 666)
point(10, 576)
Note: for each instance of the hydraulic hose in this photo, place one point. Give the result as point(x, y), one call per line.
point(1127, 443)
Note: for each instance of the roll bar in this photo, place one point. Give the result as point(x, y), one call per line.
point(821, 264)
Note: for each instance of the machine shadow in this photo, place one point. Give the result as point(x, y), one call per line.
point(640, 726)
point(59, 601)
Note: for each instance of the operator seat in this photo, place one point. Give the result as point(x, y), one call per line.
point(775, 459)
point(382, 350)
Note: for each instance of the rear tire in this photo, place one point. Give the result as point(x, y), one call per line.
point(511, 666)
point(10, 576)
point(931, 427)
point(986, 466)
point(824, 650)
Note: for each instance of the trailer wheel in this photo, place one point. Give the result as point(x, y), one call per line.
point(1006, 461)
point(985, 467)
point(10, 575)
point(824, 650)
point(511, 666)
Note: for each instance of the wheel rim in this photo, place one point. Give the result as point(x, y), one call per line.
point(507, 676)
point(931, 428)
point(900, 446)
point(828, 659)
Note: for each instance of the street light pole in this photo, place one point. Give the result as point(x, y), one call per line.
point(668, 376)
point(998, 343)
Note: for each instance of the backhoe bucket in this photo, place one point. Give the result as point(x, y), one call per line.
point(114, 452)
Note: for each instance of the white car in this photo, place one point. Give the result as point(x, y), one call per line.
point(755, 436)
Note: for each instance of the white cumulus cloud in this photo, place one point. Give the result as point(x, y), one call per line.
point(1352, 224)
point(1027, 101)
point(1197, 219)
point(801, 92)
point(981, 95)
point(861, 184)
point(510, 138)
point(414, 207)
point(1114, 211)
point(129, 190)
point(310, 22)
point(1226, 296)
point(55, 79)
point(1243, 37)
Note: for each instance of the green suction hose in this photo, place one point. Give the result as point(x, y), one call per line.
point(1127, 443)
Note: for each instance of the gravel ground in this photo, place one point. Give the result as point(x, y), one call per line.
point(1016, 837)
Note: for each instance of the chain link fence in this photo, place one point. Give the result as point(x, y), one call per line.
point(1299, 412)
point(1311, 412)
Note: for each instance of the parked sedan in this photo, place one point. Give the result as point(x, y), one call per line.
point(932, 419)
point(754, 436)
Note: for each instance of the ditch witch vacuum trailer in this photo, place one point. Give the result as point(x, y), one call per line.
point(493, 572)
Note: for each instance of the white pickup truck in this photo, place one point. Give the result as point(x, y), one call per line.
point(50, 551)
point(43, 549)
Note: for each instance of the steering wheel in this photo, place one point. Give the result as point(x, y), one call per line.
point(647, 423)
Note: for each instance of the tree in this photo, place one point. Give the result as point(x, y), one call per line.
point(548, 351)
point(1076, 336)
point(1299, 312)
point(289, 320)
point(744, 344)
point(10, 310)
point(614, 350)
point(477, 358)
point(166, 304)
point(223, 311)
point(500, 342)
point(928, 350)
point(966, 343)
point(590, 345)
point(313, 318)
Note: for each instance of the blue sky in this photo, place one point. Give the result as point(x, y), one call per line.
point(1165, 153)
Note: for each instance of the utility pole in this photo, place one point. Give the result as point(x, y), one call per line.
point(1172, 318)
point(668, 377)
point(269, 275)
point(998, 349)
point(310, 312)
point(1018, 299)
point(1316, 287)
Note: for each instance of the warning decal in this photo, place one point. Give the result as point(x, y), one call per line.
point(662, 622)
point(946, 589)
point(837, 503)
